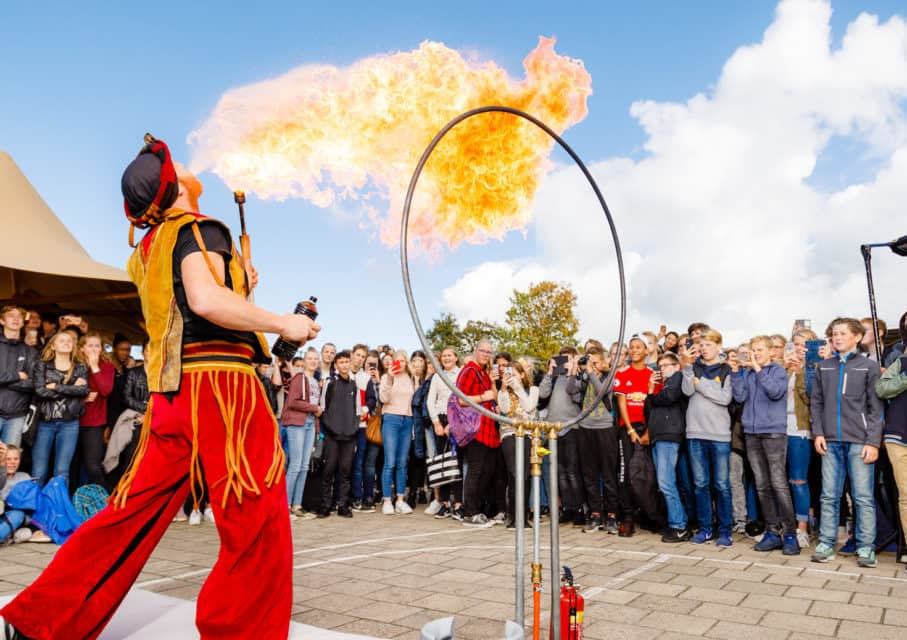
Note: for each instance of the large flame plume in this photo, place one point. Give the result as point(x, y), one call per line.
point(326, 134)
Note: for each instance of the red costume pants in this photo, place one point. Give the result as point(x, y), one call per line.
point(249, 591)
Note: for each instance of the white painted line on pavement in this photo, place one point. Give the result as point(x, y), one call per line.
point(618, 580)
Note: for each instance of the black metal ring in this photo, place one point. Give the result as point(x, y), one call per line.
point(404, 262)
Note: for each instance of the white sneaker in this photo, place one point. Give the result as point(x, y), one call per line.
point(195, 518)
point(433, 508)
point(180, 516)
point(209, 515)
point(499, 518)
point(803, 539)
point(40, 536)
point(402, 507)
point(387, 509)
point(22, 535)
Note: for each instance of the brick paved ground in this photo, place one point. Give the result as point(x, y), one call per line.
point(387, 576)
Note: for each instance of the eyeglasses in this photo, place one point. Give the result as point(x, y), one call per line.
point(485, 351)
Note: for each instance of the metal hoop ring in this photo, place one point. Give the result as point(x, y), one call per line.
point(404, 261)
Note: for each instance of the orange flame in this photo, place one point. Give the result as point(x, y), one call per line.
point(327, 134)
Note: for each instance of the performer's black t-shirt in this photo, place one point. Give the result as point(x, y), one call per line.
point(196, 328)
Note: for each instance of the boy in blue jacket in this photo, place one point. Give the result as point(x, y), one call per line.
point(847, 424)
point(762, 390)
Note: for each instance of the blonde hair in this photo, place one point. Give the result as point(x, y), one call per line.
point(522, 367)
point(806, 334)
point(104, 356)
point(49, 353)
point(711, 335)
point(766, 340)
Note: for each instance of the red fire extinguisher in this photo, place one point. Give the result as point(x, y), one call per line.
point(573, 607)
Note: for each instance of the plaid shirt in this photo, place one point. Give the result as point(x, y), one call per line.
point(474, 381)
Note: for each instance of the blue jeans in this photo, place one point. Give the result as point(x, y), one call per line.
point(710, 463)
point(357, 475)
point(284, 443)
point(301, 440)
point(685, 485)
point(397, 433)
point(419, 437)
point(11, 430)
point(61, 436)
point(799, 451)
point(666, 472)
point(843, 459)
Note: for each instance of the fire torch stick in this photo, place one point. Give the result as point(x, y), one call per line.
point(239, 197)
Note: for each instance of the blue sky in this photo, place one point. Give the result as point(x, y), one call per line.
point(83, 82)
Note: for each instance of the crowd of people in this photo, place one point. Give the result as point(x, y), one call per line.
point(797, 441)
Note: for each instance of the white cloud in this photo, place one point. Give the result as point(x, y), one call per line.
point(719, 221)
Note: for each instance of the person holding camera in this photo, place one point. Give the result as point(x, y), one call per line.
point(598, 443)
point(396, 393)
point(517, 399)
point(707, 385)
point(562, 407)
point(762, 390)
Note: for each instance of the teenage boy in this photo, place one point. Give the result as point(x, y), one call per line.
point(892, 387)
point(340, 425)
point(598, 444)
point(762, 390)
point(847, 424)
point(17, 360)
point(707, 384)
point(368, 401)
point(666, 418)
point(631, 386)
point(564, 406)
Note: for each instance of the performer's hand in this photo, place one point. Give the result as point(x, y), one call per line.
point(253, 277)
point(299, 328)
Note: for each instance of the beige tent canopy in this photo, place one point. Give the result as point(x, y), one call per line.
point(43, 266)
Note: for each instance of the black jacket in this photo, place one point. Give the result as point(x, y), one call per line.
point(666, 411)
point(135, 394)
point(15, 393)
point(65, 401)
point(340, 398)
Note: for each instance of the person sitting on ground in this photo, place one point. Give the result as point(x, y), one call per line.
point(847, 424)
point(340, 408)
point(14, 519)
point(762, 390)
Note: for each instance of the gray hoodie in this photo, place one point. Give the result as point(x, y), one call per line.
point(587, 387)
point(707, 412)
point(562, 405)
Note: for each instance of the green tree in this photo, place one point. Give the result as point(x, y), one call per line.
point(445, 332)
point(542, 319)
point(475, 330)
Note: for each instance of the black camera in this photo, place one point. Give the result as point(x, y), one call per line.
point(583, 361)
